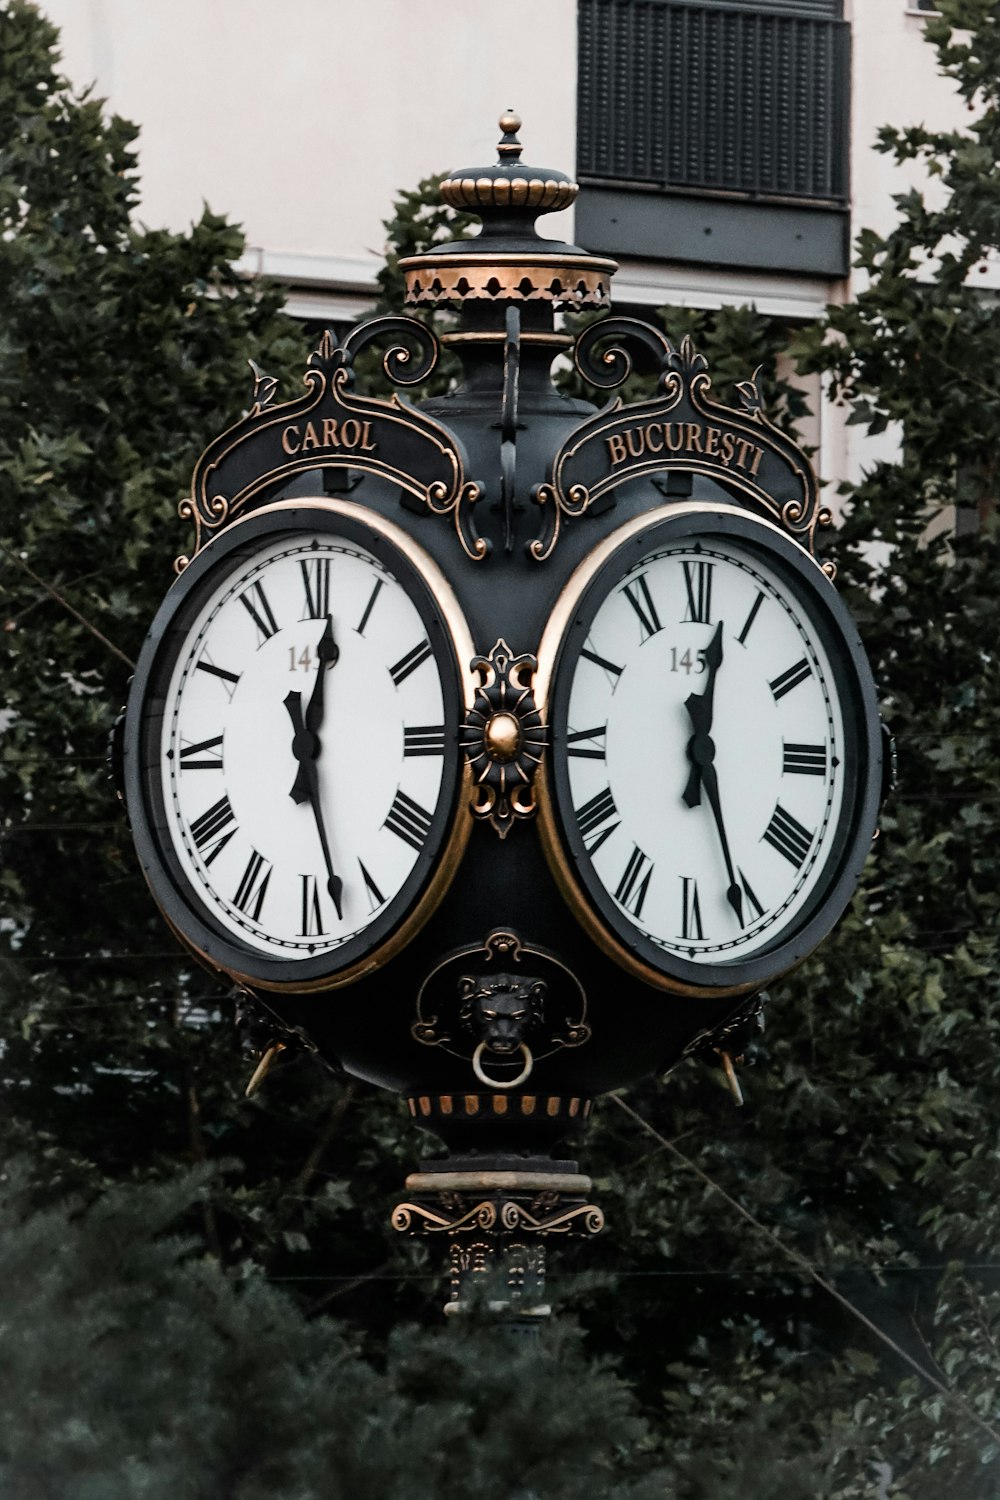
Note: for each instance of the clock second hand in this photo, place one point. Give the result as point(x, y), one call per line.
point(701, 754)
point(306, 748)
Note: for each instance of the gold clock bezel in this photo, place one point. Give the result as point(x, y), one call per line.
point(549, 652)
point(453, 847)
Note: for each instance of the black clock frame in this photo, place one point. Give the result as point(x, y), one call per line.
point(610, 563)
point(439, 858)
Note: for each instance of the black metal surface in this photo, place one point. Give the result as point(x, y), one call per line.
point(747, 235)
point(446, 475)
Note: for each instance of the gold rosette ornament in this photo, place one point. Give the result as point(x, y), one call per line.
point(503, 737)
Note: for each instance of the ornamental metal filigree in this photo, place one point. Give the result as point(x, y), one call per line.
point(501, 1213)
point(333, 427)
point(497, 1224)
point(503, 737)
point(504, 1004)
point(734, 1034)
point(680, 430)
point(730, 1040)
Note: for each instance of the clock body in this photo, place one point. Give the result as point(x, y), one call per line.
point(712, 786)
point(292, 771)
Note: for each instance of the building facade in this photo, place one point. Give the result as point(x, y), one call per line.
point(724, 147)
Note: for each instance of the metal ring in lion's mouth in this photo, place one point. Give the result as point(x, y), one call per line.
point(496, 1083)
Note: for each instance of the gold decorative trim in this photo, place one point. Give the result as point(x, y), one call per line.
point(553, 340)
point(497, 1182)
point(545, 195)
point(421, 1106)
point(562, 867)
point(504, 780)
point(508, 1214)
point(574, 280)
point(453, 849)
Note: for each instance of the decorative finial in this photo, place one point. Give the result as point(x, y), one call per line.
point(510, 147)
point(509, 261)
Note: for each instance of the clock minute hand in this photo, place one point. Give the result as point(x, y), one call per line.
point(305, 746)
point(710, 781)
point(700, 707)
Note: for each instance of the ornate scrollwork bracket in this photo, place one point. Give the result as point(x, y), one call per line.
point(549, 1216)
point(497, 1223)
point(503, 737)
point(333, 427)
point(682, 429)
point(730, 1041)
point(624, 343)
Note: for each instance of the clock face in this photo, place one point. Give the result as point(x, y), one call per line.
point(300, 743)
point(713, 726)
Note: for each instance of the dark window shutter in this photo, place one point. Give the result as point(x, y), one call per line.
point(715, 97)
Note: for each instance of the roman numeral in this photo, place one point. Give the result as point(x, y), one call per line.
point(790, 679)
point(755, 606)
point(691, 927)
point(804, 760)
point(259, 612)
point(748, 893)
point(634, 884)
point(369, 606)
point(253, 886)
point(595, 751)
point(212, 758)
point(607, 667)
point(410, 662)
point(424, 739)
point(649, 620)
point(375, 896)
point(207, 665)
point(788, 837)
point(409, 821)
point(599, 810)
point(213, 830)
point(316, 583)
point(698, 585)
point(312, 915)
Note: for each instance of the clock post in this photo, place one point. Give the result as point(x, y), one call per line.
point(502, 747)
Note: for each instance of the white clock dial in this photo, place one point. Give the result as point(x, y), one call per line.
point(303, 744)
point(714, 777)
point(704, 746)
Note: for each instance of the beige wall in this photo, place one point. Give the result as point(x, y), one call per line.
point(302, 119)
point(894, 81)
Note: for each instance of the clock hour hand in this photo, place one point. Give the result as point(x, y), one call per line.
point(700, 707)
point(701, 754)
point(328, 653)
point(305, 748)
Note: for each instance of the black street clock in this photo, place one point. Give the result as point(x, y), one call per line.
point(502, 746)
point(295, 779)
point(711, 793)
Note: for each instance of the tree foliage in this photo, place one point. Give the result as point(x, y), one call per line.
point(162, 1377)
point(869, 1145)
point(122, 351)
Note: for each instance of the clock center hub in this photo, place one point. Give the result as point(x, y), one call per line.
point(701, 748)
point(503, 737)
